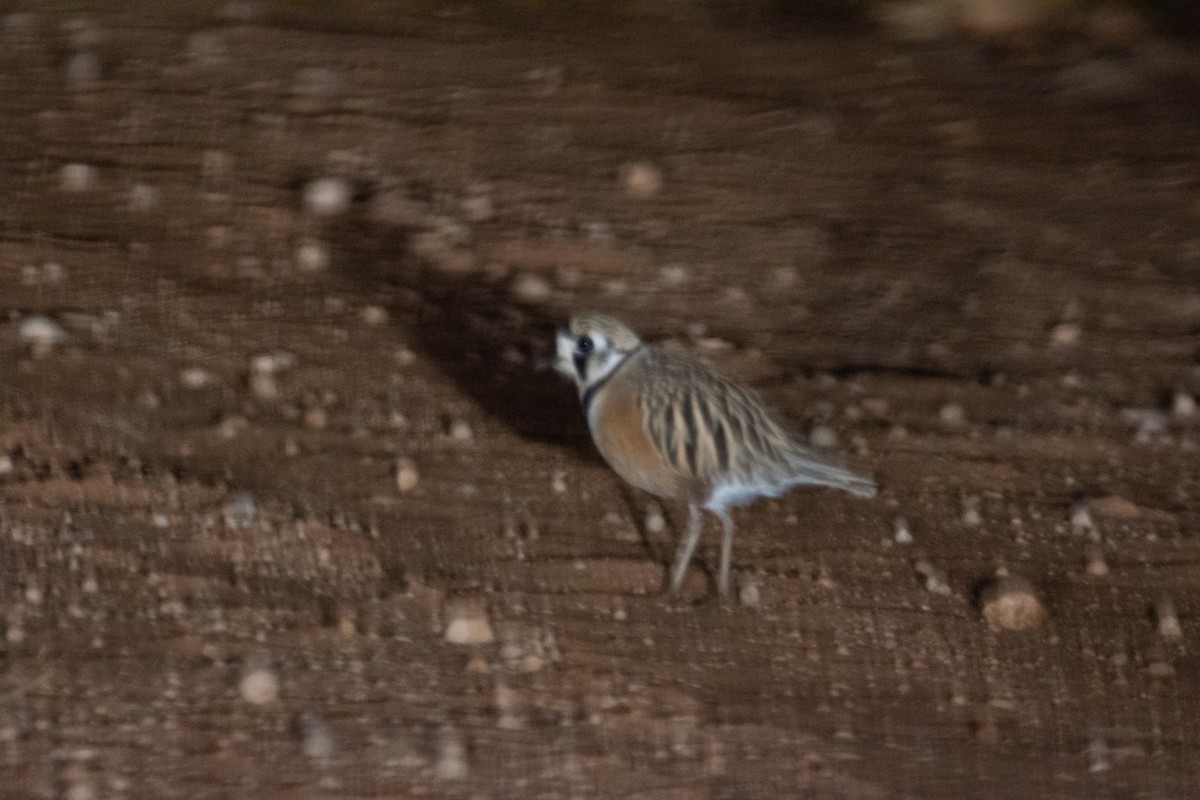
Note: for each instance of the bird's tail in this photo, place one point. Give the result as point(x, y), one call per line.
point(811, 470)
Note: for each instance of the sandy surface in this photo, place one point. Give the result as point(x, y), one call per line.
point(980, 279)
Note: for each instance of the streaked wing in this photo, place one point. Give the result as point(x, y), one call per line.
point(717, 432)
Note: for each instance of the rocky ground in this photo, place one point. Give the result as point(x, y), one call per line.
point(288, 512)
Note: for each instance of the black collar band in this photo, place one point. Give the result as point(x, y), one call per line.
point(589, 394)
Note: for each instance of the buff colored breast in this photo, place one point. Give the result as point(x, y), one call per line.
point(621, 437)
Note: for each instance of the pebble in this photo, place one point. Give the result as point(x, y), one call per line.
point(970, 513)
point(901, 532)
point(40, 333)
point(327, 197)
point(1183, 406)
point(312, 256)
point(406, 474)
point(749, 594)
point(1097, 752)
point(77, 177)
point(932, 578)
point(655, 521)
point(240, 510)
point(263, 385)
point(316, 740)
point(952, 415)
point(1096, 565)
point(316, 418)
point(451, 762)
point(1066, 334)
point(460, 431)
point(195, 377)
point(509, 712)
point(1009, 602)
point(641, 179)
point(467, 622)
point(823, 437)
point(259, 685)
point(1081, 518)
point(83, 71)
point(530, 288)
point(1167, 619)
point(375, 316)
point(143, 197)
point(478, 206)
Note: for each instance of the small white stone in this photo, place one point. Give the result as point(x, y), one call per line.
point(655, 522)
point(1081, 517)
point(41, 333)
point(451, 762)
point(195, 378)
point(143, 197)
point(531, 288)
point(1066, 334)
point(953, 415)
point(240, 510)
point(823, 437)
point(748, 593)
point(1183, 406)
point(558, 482)
point(900, 531)
point(374, 316)
point(467, 622)
point(312, 256)
point(932, 578)
point(83, 70)
point(477, 206)
point(6, 464)
point(460, 431)
point(327, 197)
point(77, 177)
point(1096, 565)
point(406, 474)
point(316, 740)
point(259, 685)
point(1167, 619)
point(641, 179)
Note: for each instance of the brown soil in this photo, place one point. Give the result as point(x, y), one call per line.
point(986, 287)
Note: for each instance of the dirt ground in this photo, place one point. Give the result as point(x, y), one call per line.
point(276, 465)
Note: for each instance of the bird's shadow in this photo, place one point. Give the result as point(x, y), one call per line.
point(469, 324)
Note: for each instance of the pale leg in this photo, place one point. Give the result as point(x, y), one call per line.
point(726, 549)
point(687, 546)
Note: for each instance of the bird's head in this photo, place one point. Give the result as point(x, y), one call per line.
point(591, 347)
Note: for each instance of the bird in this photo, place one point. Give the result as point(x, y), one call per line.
point(677, 427)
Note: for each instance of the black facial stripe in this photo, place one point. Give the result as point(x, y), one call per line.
point(580, 366)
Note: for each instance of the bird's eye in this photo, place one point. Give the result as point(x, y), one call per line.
point(584, 345)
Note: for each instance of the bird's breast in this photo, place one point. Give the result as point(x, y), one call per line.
point(619, 430)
